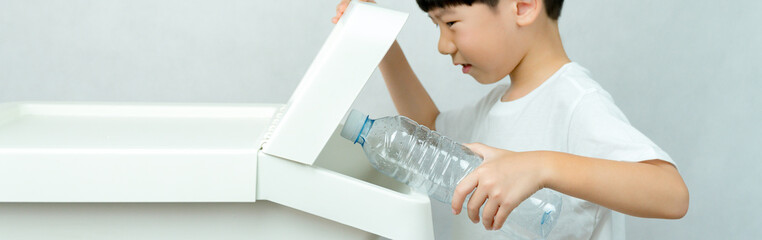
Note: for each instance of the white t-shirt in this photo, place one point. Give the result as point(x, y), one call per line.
point(568, 113)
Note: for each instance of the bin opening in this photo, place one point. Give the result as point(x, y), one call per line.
point(333, 81)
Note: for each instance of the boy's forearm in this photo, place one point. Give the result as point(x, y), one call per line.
point(407, 92)
point(651, 189)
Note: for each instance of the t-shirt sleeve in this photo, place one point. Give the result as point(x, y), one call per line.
point(599, 129)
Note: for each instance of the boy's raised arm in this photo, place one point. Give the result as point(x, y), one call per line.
point(409, 96)
point(407, 92)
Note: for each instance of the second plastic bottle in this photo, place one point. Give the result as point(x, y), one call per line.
point(434, 164)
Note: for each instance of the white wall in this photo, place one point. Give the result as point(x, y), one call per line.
point(685, 72)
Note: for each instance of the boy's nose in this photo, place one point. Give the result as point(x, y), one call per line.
point(446, 46)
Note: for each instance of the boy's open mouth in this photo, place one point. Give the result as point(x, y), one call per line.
point(466, 68)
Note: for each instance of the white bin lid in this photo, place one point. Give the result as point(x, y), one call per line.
point(344, 64)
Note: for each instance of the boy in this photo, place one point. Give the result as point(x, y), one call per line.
point(564, 131)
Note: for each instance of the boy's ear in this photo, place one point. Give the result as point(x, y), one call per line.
point(527, 11)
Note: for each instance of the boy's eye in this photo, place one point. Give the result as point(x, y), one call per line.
point(449, 24)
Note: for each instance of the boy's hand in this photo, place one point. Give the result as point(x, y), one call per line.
point(503, 180)
point(342, 7)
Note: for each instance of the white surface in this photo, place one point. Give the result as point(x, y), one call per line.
point(89, 152)
point(262, 220)
point(356, 45)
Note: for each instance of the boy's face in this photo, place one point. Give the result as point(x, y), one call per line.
point(485, 41)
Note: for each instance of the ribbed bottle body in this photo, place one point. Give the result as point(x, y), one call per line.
point(421, 158)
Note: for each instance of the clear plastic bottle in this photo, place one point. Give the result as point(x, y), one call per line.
point(434, 164)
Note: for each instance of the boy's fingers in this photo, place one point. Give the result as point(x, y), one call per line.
point(500, 217)
point(342, 3)
point(475, 203)
point(478, 148)
point(339, 12)
point(488, 214)
point(465, 187)
point(341, 7)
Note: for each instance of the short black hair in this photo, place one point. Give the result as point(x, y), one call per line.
point(552, 7)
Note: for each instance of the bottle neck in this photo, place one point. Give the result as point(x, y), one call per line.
point(364, 132)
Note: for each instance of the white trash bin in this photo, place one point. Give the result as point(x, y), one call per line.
point(210, 171)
